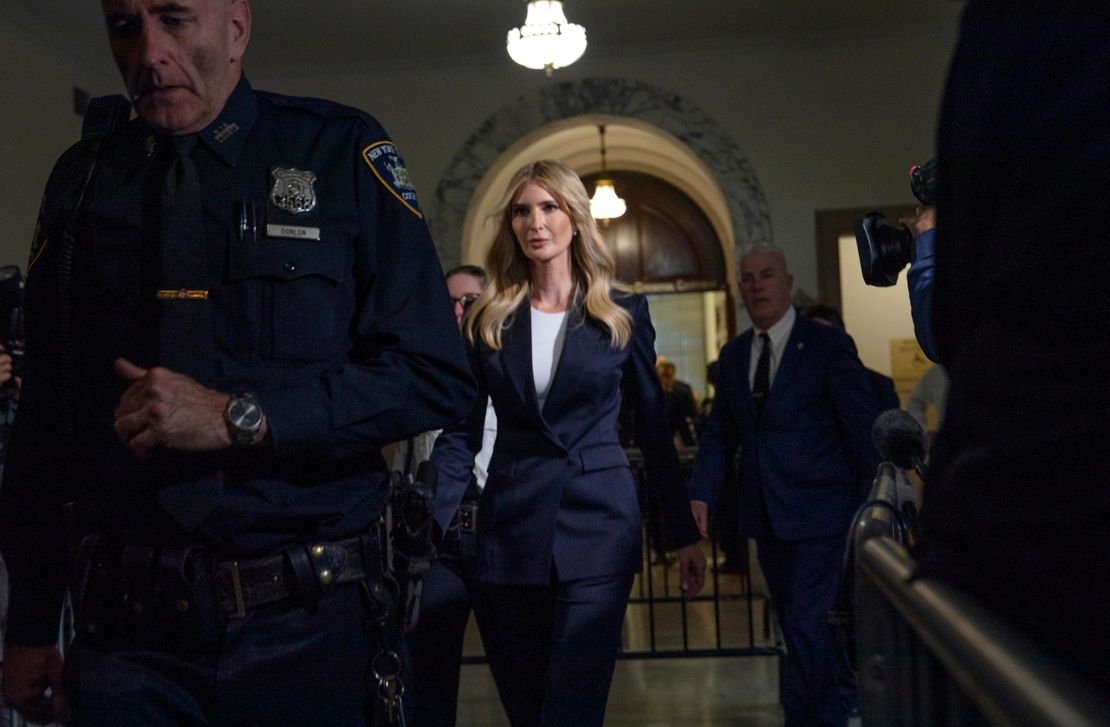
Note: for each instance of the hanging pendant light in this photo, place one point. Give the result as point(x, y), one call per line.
point(546, 40)
point(605, 204)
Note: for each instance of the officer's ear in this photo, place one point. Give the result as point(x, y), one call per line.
point(239, 28)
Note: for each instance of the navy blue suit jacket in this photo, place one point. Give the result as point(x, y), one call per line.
point(809, 459)
point(559, 484)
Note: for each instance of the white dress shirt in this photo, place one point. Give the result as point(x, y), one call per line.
point(548, 333)
point(779, 335)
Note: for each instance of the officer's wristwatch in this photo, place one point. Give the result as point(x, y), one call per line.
point(243, 416)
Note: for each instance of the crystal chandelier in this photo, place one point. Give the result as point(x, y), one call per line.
point(605, 204)
point(546, 40)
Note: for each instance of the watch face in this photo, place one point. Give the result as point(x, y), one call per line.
point(244, 414)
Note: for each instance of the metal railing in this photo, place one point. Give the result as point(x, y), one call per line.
point(731, 617)
point(930, 654)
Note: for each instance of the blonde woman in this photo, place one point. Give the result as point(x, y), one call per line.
point(555, 345)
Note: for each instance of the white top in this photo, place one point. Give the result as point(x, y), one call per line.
point(779, 335)
point(549, 330)
point(423, 444)
point(489, 437)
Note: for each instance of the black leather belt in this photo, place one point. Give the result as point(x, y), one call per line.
point(300, 571)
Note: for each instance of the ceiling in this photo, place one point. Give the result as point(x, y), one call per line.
point(295, 34)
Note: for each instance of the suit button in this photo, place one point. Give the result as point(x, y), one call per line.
point(289, 267)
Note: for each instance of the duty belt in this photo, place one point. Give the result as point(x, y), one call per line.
point(299, 571)
point(465, 520)
point(468, 517)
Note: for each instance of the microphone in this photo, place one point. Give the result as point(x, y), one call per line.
point(900, 440)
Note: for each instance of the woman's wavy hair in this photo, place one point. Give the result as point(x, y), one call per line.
point(592, 266)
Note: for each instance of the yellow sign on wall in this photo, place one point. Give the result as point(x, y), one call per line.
point(908, 363)
point(907, 360)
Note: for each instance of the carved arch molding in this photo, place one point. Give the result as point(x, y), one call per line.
point(751, 219)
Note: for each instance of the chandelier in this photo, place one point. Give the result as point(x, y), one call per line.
point(546, 40)
point(605, 204)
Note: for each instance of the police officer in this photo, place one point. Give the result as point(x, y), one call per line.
point(233, 302)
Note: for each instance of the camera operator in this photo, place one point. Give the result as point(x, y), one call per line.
point(922, 226)
point(884, 249)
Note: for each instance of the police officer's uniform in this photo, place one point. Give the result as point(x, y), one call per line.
point(328, 306)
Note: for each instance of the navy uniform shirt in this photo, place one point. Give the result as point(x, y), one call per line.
point(348, 342)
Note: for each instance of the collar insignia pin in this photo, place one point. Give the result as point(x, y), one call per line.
point(225, 131)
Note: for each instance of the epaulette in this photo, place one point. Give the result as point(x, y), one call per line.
point(317, 106)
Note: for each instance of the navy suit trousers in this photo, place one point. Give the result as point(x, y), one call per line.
point(803, 576)
point(552, 649)
point(436, 642)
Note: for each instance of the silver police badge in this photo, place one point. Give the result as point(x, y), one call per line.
point(293, 190)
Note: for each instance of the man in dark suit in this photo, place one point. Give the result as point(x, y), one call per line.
point(679, 406)
point(793, 395)
point(886, 396)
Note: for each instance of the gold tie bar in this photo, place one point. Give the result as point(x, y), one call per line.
point(182, 294)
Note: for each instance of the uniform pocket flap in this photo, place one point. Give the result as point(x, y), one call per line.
point(603, 456)
point(287, 260)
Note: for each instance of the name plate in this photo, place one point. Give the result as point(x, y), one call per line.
point(293, 232)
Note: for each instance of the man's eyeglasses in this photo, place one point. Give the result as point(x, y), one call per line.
point(465, 299)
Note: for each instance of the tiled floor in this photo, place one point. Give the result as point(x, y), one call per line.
point(712, 692)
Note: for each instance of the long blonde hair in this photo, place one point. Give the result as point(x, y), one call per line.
point(509, 272)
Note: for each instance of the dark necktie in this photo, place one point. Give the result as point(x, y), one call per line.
point(190, 485)
point(761, 385)
point(185, 333)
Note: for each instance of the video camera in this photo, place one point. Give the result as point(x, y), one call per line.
point(884, 249)
point(11, 315)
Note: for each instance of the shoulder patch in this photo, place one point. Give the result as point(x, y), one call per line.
point(385, 162)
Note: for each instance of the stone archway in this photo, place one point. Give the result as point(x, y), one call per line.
point(720, 154)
